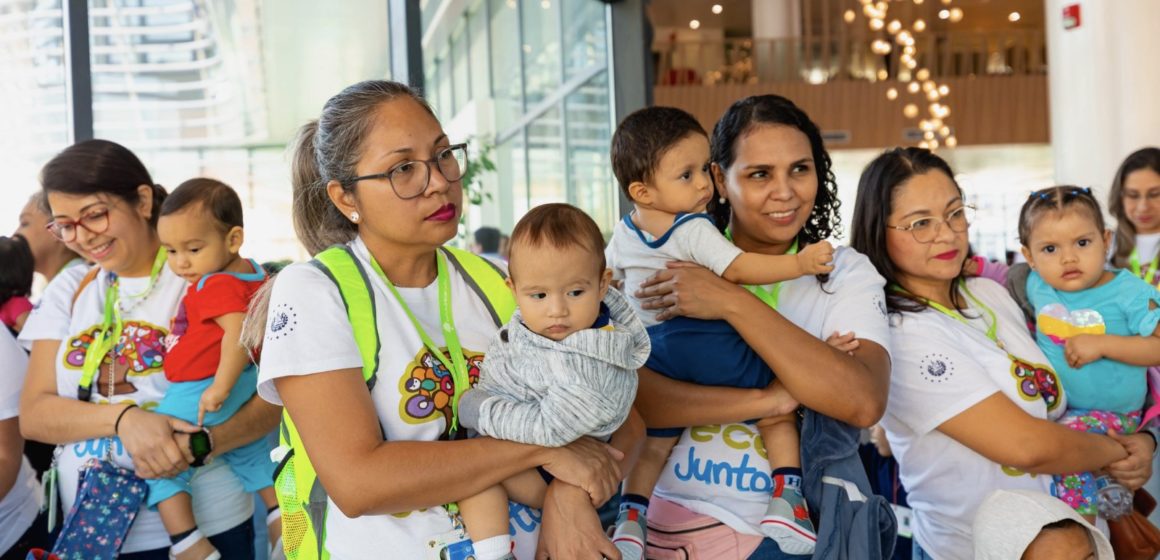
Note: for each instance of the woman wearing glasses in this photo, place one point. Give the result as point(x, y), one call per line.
point(376, 175)
point(98, 354)
point(1134, 201)
point(971, 395)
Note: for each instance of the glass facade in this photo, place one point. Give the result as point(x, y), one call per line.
point(33, 98)
point(193, 87)
point(542, 67)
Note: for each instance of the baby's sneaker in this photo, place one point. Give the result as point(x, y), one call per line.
point(787, 521)
point(629, 535)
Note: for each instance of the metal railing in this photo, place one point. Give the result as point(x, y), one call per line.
point(819, 60)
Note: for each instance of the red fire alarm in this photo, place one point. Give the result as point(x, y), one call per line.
point(1071, 18)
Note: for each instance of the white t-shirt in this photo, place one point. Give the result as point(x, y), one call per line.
point(722, 471)
point(309, 332)
point(1147, 245)
point(65, 282)
point(633, 255)
point(19, 506)
point(219, 501)
point(942, 368)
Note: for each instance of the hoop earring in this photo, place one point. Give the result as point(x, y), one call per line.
point(354, 217)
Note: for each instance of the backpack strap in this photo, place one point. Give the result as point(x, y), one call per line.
point(487, 281)
point(343, 268)
point(85, 281)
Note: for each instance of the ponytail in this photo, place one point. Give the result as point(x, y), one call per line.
point(317, 221)
point(254, 326)
point(325, 150)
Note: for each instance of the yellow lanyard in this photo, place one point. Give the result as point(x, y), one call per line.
point(992, 324)
point(769, 297)
point(1134, 263)
point(104, 340)
point(457, 366)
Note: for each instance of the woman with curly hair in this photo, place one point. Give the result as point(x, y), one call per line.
point(775, 192)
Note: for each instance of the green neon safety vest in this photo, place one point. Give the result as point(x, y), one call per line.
point(301, 497)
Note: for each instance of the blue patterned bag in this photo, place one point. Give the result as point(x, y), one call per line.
point(107, 502)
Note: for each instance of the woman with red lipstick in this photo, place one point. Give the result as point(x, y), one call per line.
point(775, 188)
point(98, 356)
point(1134, 201)
point(971, 394)
point(377, 174)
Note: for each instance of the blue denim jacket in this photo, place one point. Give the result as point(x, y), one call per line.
point(853, 523)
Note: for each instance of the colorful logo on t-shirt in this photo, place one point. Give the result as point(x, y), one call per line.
point(177, 327)
point(142, 347)
point(427, 388)
point(1058, 324)
point(936, 368)
point(1035, 381)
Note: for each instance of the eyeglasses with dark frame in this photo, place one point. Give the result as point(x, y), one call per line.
point(925, 229)
point(95, 222)
point(410, 179)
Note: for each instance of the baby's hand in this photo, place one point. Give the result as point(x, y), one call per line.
point(1083, 349)
point(816, 258)
point(211, 400)
point(843, 342)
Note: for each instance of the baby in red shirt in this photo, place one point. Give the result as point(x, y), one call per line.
point(211, 375)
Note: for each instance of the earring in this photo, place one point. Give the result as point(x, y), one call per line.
point(721, 200)
point(354, 217)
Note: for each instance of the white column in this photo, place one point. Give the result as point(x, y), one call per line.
point(1103, 81)
point(774, 21)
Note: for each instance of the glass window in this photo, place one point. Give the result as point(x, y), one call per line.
point(541, 46)
point(506, 76)
point(460, 62)
point(205, 93)
point(585, 43)
point(511, 162)
point(443, 77)
point(430, 81)
point(591, 184)
point(477, 34)
point(33, 102)
point(546, 159)
point(170, 74)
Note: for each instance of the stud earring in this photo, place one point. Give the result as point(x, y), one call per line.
point(354, 217)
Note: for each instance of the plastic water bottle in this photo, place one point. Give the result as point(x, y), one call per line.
point(1115, 501)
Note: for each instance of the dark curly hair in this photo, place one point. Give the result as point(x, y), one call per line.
point(755, 110)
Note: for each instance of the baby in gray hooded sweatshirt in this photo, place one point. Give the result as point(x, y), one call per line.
point(564, 367)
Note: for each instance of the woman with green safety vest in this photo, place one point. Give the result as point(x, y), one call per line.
point(370, 345)
point(1134, 201)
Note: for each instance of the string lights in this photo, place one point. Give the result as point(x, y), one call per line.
point(926, 92)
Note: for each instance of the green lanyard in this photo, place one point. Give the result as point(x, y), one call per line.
point(769, 297)
point(1134, 262)
point(112, 324)
point(458, 365)
point(992, 324)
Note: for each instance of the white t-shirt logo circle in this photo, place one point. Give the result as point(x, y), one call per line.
point(936, 368)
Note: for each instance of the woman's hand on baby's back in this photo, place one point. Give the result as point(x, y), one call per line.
point(591, 465)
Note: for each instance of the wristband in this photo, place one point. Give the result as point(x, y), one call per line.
point(117, 423)
point(1155, 443)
